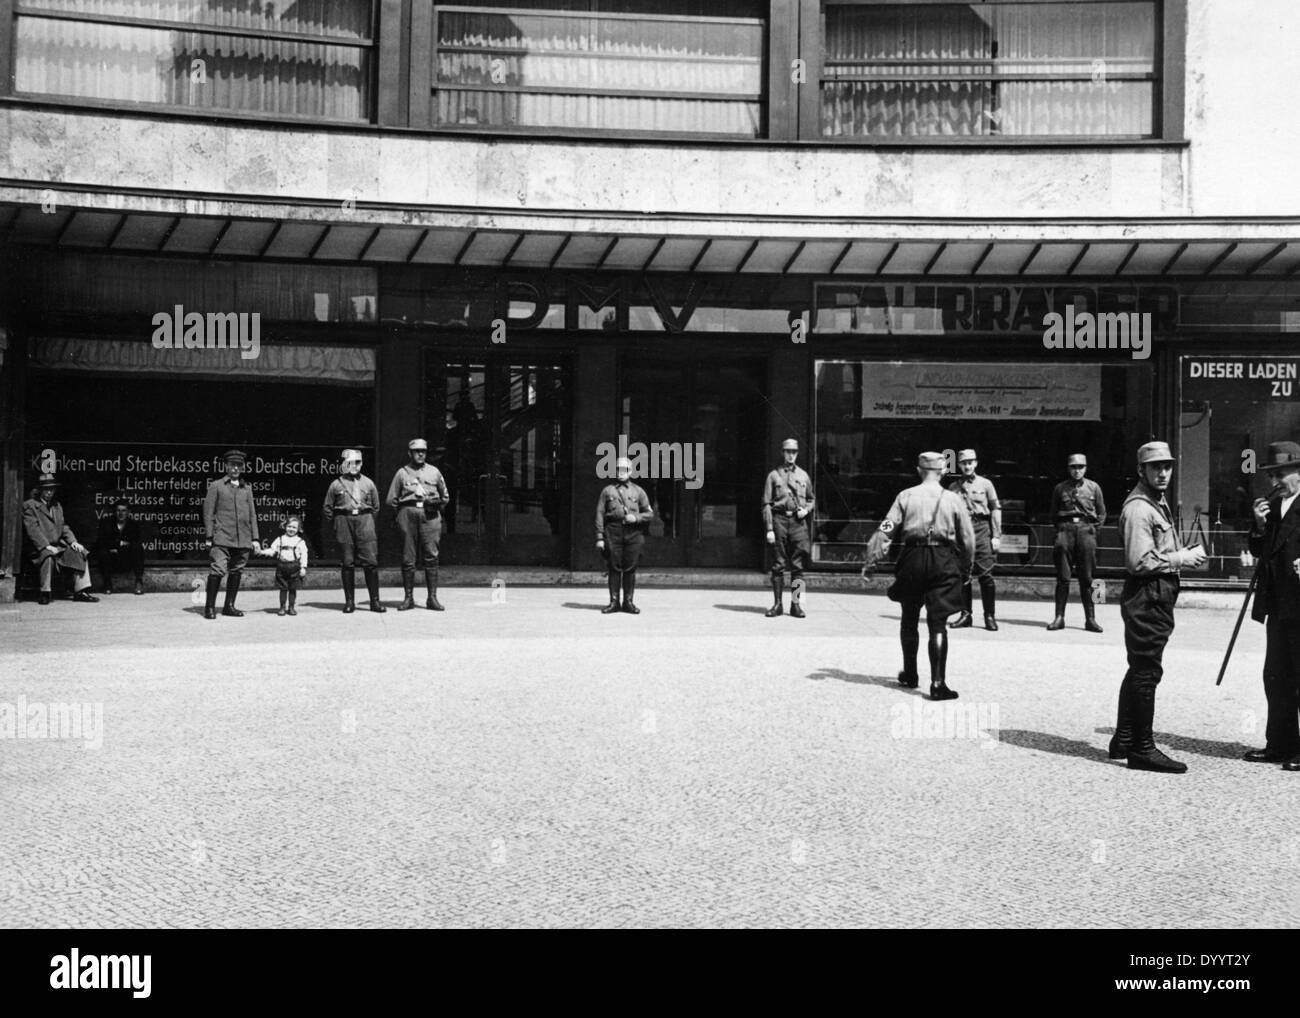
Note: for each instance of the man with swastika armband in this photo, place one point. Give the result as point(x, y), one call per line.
point(936, 559)
point(1153, 556)
point(418, 492)
point(787, 503)
point(351, 505)
point(622, 516)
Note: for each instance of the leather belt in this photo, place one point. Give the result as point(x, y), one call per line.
point(1073, 519)
point(926, 542)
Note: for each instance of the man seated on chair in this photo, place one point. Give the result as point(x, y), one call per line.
point(54, 544)
point(118, 547)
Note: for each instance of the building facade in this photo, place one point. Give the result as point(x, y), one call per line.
point(539, 232)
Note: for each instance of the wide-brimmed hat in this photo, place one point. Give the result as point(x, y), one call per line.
point(47, 481)
point(1280, 455)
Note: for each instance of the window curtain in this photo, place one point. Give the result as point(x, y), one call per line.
point(900, 45)
point(567, 51)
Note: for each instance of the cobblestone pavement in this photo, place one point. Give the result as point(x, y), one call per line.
point(535, 763)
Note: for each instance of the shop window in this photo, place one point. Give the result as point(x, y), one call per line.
point(689, 66)
point(309, 59)
point(989, 70)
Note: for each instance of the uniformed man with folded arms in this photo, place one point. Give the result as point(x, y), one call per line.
point(1078, 509)
point(418, 493)
point(936, 559)
point(1153, 556)
point(351, 506)
point(787, 503)
point(230, 527)
point(1275, 542)
point(985, 511)
point(623, 514)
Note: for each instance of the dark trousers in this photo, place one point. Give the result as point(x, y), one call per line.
point(421, 533)
point(624, 543)
point(358, 544)
point(1282, 685)
point(1147, 608)
point(792, 548)
point(287, 576)
point(121, 560)
point(983, 571)
point(223, 560)
point(1075, 549)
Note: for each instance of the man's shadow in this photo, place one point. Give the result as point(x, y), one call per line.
point(748, 609)
point(862, 680)
point(1050, 743)
point(579, 606)
point(1188, 744)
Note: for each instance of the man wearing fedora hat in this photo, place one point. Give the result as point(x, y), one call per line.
point(351, 505)
point(418, 492)
point(1153, 556)
point(230, 530)
point(1078, 509)
point(787, 503)
point(1275, 541)
point(54, 543)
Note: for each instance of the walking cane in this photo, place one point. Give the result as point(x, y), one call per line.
point(1237, 628)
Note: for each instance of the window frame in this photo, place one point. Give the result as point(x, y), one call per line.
point(1167, 113)
point(11, 10)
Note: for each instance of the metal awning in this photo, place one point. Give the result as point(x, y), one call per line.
point(88, 222)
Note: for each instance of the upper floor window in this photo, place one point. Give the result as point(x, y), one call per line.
point(989, 69)
point(308, 58)
point(689, 66)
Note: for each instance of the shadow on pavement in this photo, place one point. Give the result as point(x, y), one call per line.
point(979, 622)
point(746, 608)
point(1049, 743)
point(1188, 744)
point(584, 607)
point(336, 606)
point(890, 682)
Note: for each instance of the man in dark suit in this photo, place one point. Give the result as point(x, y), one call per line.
point(1275, 542)
point(118, 547)
point(54, 544)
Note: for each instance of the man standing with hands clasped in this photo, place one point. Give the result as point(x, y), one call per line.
point(787, 503)
point(418, 493)
point(622, 516)
point(1078, 509)
point(1275, 541)
point(230, 526)
point(1153, 557)
point(985, 511)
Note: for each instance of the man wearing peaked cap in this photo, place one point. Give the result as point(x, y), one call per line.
point(985, 510)
point(937, 556)
point(419, 492)
point(1153, 556)
point(230, 529)
point(351, 506)
point(1275, 542)
point(54, 544)
point(787, 503)
point(623, 514)
point(1078, 509)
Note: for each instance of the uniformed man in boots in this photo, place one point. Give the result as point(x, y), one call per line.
point(1078, 509)
point(1153, 557)
point(1275, 542)
point(418, 493)
point(351, 506)
point(936, 559)
point(230, 526)
point(622, 516)
point(985, 511)
point(787, 503)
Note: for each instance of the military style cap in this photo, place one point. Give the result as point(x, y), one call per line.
point(1155, 452)
point(1078, 459)
point(789, 444)
point(622, 461)
point(1282, 454)
point(932, 461)
point(416, 444)
point(235, 456)
point(47, 481)
point(350, 454)
point(966, 454)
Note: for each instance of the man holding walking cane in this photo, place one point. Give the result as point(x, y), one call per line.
point(1275, 541)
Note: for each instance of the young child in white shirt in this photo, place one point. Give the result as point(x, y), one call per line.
point(290, 553)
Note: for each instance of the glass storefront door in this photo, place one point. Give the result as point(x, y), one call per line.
point(499, 431)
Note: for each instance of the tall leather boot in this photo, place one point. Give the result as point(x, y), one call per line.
point(1089, 612)
point(778, 590)
point(232, 590)
point(408, 587)
point(964, 620)
point(349, 575)
point(796, 597)
point(214, 585)
point(1122, 741)
point(431, 587)
point(911, 643)
point(372, 587)
point(1062, 595)
point(629, 589)
point(1143, 754)
point(988, 596)
point(938, 647)
point(615, 580)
